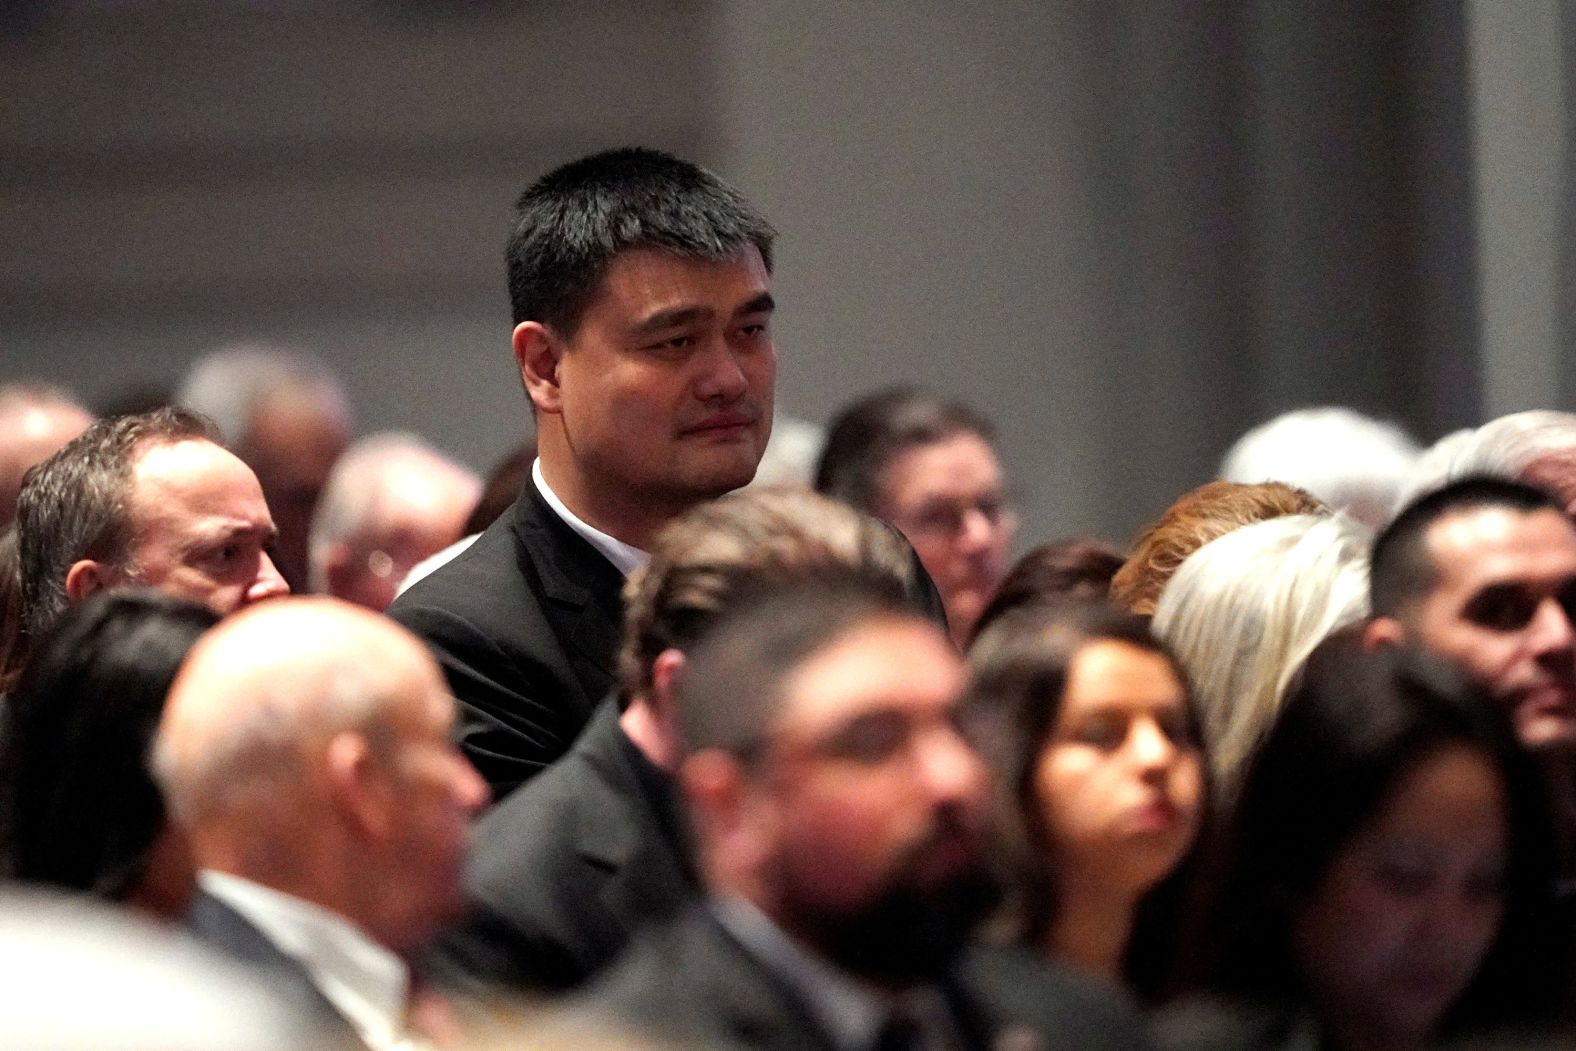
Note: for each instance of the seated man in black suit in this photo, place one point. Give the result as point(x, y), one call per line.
point(567, 868)
point(305, 751)
point(839, 818)
point(642, 308)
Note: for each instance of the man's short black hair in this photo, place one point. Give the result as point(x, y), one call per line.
point(571, 223)
point(871, 433)
point(1402, 571)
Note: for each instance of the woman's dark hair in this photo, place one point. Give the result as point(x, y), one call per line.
point(1021, 665)
point(78, 806)
point(1354, 726)
point(1076, 568)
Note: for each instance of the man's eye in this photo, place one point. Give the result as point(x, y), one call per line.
point(1503, 612)
point(870, 739)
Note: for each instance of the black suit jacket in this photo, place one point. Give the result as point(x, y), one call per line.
point(525, 623)
point(211, 921)
point(569, 867)
point(693, 984)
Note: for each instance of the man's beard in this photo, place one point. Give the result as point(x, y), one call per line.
point(910, 931)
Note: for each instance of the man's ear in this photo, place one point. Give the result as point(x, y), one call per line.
point(86, 577)
point(537, 350)
point(1383, 631)
point(713, 783)
point(667, 671)
point(355, 782)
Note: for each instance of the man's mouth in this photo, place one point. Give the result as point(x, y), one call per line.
point(722, 424)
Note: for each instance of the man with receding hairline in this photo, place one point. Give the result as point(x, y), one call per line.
point(147, 500)
point(305, 752)
point(642, 306)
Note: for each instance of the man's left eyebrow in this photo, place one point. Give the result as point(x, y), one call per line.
point(673, 317)
point(761, 304)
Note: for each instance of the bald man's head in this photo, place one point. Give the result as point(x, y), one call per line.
point(305, 746)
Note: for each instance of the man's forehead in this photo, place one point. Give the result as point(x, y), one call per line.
point(883, 665)
point(1480, 546)
point(650, 277)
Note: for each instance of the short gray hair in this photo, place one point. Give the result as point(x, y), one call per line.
point(230, 384)
point(358, 486)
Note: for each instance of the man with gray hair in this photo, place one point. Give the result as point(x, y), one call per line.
point(391, 501)
point(150, 500)
point(1350, 461)
point(286, 416)
point(1537, 447)
point(305, 752)
point(35, 421)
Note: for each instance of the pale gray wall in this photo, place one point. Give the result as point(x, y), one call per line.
point(1127, 230)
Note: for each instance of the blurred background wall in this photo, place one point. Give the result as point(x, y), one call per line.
point(1127, 230)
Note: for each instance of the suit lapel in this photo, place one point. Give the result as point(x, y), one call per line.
point(629, 841)
point(581, 589)
point(217, 924)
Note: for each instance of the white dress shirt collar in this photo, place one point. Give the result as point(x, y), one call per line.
point(626, 558)
point(366, 982)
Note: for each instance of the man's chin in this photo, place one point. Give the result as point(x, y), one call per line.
point(908, 935)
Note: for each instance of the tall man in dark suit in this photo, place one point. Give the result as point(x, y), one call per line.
point(305, 752)
point(568, 868)
point(839, 818)
point(640, 286)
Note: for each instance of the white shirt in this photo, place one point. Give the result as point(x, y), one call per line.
point(366, 982)
point(625, 557)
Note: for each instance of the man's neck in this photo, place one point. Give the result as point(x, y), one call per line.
point(623, 516)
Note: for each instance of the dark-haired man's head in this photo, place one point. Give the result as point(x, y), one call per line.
point(724, 554)
point(834, 792)
point(148, 500)
point(927, 466)
point(640, 285)
point(1483, 573)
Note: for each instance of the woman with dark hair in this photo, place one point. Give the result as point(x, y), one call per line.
point(78, 806)
point(1075, 568)
point(1387, 875)
point(1089, 725)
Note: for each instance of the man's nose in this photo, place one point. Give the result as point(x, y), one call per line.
point(1552, 627)
point(723, 379)
point(953, 771)
point(268, 583)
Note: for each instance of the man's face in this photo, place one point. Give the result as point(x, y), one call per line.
point(291, 444)
point(666, 385)
point(414, 522)
point(199, 526)
point(1500, 611)
point(949, 500)
point(872, 805)
point(435, 794)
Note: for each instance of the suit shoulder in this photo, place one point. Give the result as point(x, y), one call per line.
point(1015, 987)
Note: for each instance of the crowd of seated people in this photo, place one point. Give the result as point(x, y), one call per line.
point(617, 749)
